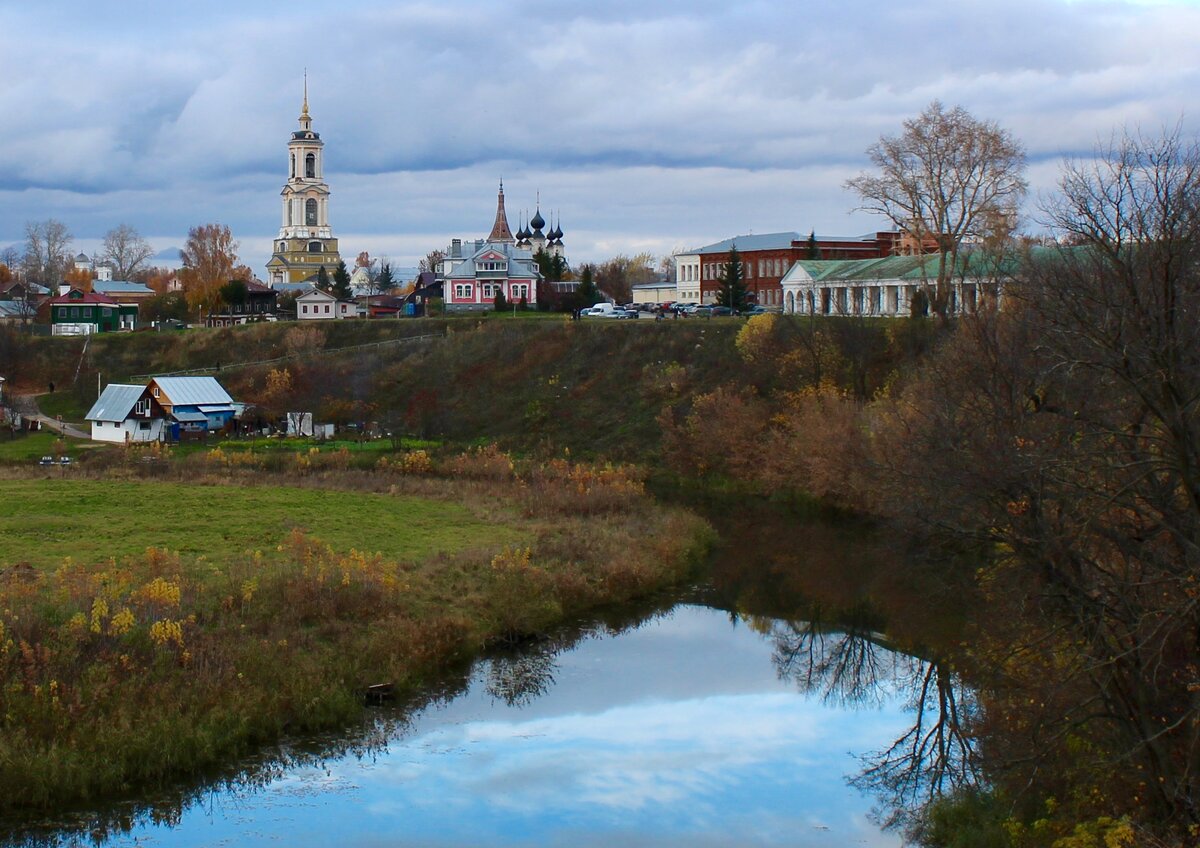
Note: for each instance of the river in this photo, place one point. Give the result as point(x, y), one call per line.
point(690, 721)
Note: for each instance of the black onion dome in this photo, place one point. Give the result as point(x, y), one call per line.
point(537, 222)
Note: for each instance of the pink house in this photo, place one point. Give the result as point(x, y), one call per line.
point(475, 272)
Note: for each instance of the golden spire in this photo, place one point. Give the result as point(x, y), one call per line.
point(304, 111)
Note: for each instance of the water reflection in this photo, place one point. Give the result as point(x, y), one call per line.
point(730, 723)
point(857, 620)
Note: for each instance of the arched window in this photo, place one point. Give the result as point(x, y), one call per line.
point(310, 166)
point(314, 247)
point(310, 212)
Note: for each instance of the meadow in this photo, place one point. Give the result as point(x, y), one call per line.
point(159, 619)
point(89, 520)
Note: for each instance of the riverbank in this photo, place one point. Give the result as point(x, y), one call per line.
point(131, 671)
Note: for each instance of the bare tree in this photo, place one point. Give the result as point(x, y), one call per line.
point(47, 251)
point(126, 251)
point(947, 179)
point(1063, 434)
point(10, 258)
point(432, 261)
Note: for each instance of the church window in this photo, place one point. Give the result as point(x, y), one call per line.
point(314, 247)
point(310, 166)
point(310, 212)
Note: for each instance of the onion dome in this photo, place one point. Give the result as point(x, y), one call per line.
point(537, 222)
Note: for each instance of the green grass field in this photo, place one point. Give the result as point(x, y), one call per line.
point(45, 521)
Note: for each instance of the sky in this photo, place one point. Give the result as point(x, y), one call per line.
point(641, 126)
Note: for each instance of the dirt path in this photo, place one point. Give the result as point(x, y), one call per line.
point(27, 405)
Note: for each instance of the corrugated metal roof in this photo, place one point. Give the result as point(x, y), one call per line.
point(115, 402)
point(915, 268)
point(194, 417)
point(121, 287)
point(190, 391)
point(764, 241)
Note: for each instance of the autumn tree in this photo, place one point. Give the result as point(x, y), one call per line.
point(126, 251)
point(617, 276)
point(78, 278)
point(1061, 437)
point(47, 251)
point(948, 179)
point(208, 257)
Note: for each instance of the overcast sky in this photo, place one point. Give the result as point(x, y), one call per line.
point(645, 126)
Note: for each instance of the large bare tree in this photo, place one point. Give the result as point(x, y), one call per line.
point(947, 179)
point(1061, 435)
point(47, 251)
point(126, 251)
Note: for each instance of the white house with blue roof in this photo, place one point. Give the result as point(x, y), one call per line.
point(126, 413)
point(165, 408)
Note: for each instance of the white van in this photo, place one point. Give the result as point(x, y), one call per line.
point(601, 310)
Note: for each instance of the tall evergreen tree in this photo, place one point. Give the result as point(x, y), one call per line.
point(733, 287)
point(341, 282)
point(384, 283)
point(323, 279)
point(587, 293)
point(814, 252)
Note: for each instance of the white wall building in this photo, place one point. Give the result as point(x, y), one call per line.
point(316, 305)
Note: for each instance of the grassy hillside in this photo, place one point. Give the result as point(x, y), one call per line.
point(595, 388)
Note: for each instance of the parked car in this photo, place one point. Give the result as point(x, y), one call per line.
point(721, 311)
point(760, 310)
point(64, 460)
point(632, 312)
point(46, 460)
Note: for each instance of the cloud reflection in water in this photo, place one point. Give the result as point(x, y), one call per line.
point(676, 733)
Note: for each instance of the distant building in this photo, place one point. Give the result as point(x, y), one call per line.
point(887, 287)
point(79, 314)
point(260, 305)
point(317, 305)
point(765, 259)
point(305, 242)
point(123, 291)
point(98, 268)
point(165, 408)
point(474, 272)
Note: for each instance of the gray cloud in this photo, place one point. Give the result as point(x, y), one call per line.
point(648, 125)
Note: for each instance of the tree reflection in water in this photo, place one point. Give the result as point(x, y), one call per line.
point(852, 664)
point(844, 608)
point(519, 678)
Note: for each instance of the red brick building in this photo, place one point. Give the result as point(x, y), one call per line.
point(766, 258)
